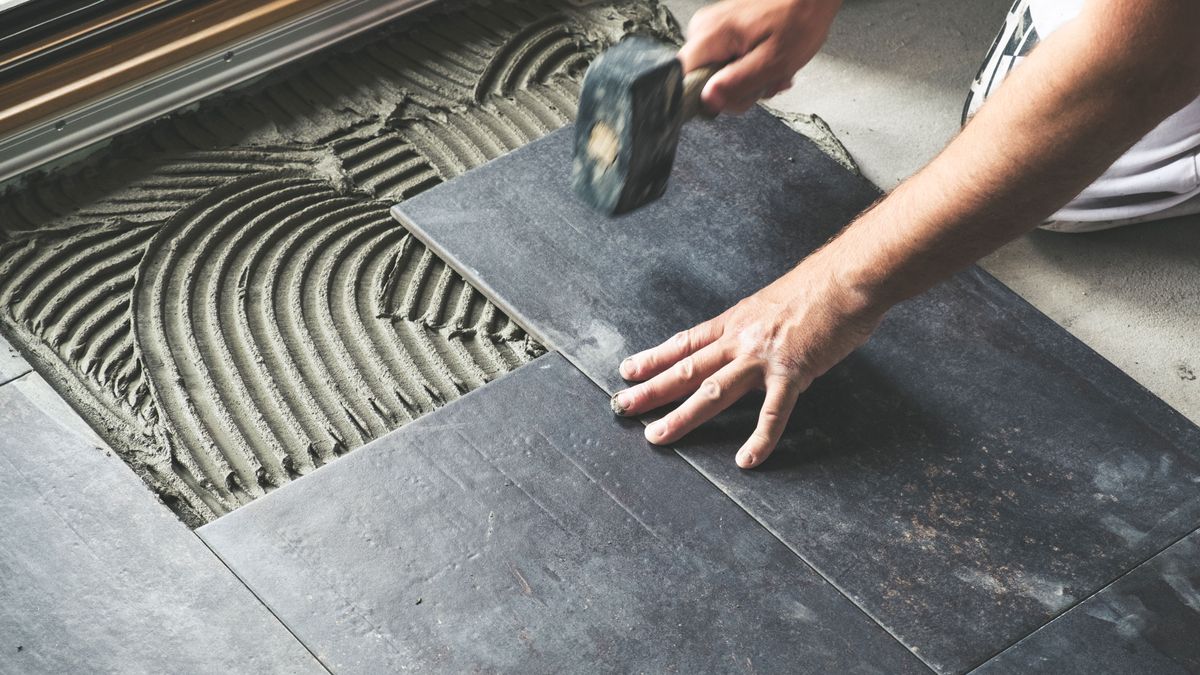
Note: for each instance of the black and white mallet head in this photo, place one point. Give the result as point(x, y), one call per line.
point(634, 101)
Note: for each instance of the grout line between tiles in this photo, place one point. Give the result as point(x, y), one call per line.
point(795, 551)
point(1091, 595)
point(16, 377)
point(864, 610)
point(264, 604)
point(68, 429)
point(773, 534)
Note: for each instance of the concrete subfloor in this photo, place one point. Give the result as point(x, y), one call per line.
point(891, 82)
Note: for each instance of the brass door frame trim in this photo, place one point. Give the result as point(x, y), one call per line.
point(154, 83)
point(92, 27)
point(139, 54)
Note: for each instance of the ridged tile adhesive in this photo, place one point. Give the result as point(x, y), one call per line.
point(222, 293)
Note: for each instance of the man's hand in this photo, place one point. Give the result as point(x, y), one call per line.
point(1078, 101)
point(778, 340)
point(766, 40)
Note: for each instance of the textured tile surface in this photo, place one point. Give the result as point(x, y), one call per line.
point(523, 529)
point(966, 476)
point(96, 575)
point(12, 365)
point(1146, 622)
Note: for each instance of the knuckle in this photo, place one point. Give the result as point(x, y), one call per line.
point(686, 369)
point(701, 24)
point(728, 348)
point(776, 54)
point(762, 438)
point(794, 365)
point(710, 24)
point(771, 416)
point(703, 16)
point(745, 304)
point(681, 340)
point(711, 389)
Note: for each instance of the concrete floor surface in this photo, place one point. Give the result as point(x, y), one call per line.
point(891, 82)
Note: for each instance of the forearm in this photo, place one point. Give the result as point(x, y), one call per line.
point(1086, 95)
point(1080, 100)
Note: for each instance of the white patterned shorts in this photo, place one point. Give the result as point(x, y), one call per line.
point(1157, 178)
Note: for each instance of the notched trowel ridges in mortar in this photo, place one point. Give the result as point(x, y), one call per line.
point(267, 300)
point(222, 293)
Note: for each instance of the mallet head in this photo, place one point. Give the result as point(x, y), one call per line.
point(627, 129)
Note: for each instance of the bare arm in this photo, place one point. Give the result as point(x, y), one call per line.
point(1081, 99)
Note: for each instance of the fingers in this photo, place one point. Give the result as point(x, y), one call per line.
point(672, 384)
point(716, 49)
point(740, 84)
point(710, 39)
point(779, 88)
point(715, 394)
point(772, 420)
point(647, 364)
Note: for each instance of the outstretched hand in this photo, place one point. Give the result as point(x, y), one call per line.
point(778, 340)
point(765, 41)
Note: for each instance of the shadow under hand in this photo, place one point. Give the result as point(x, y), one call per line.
point(855, 418)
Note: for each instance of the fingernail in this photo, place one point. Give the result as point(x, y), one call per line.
point(626, 367)
point(744, 459)
point(619, 404)
point(656, 431)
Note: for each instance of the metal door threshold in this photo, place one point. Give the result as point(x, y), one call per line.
point(103, 117)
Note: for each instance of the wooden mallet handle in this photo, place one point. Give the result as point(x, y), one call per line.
point(693, 84)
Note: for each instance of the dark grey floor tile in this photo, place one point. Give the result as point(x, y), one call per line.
point(12, 364)
point(1146, 622)
point(523, 529)
point(97, 576)
point(966, 476)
